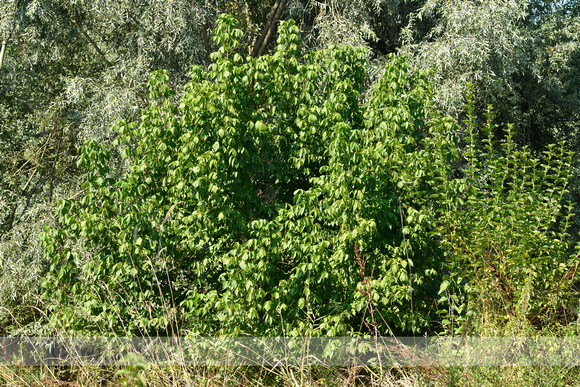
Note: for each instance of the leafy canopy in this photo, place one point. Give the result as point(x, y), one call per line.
point(270, 200)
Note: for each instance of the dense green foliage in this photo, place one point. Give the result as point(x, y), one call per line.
point(271, 200)
point(506, 240)
point(274, 200)
point(71, 69)
point(317, 189)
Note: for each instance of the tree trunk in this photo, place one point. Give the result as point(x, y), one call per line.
point(273, 28)
point(269, 29)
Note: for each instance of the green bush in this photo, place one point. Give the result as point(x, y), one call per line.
point(275, 200)
point(505, 235)
point(272, 200)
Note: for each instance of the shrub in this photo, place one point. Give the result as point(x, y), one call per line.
point(272, 200)
point(505, 234)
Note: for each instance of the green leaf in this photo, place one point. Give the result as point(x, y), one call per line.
point(443, 287)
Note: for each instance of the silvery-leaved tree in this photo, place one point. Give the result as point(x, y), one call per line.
point(521, 56)
point(376, 24)
point(472, 42)
point(70, 70)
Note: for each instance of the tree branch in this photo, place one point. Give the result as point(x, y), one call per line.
point(92, 42)
point(15, 204)
point(3, 50)
point(274, 13)
point(272, 28)
point(107, 62)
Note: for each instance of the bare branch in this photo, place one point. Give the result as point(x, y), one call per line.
point(3, 50)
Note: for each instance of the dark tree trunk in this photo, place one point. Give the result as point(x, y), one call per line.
point(269, 29)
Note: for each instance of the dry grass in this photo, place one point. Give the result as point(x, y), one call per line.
point(289, 377)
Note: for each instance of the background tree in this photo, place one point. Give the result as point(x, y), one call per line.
point(70, 71)
point(520, 56)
